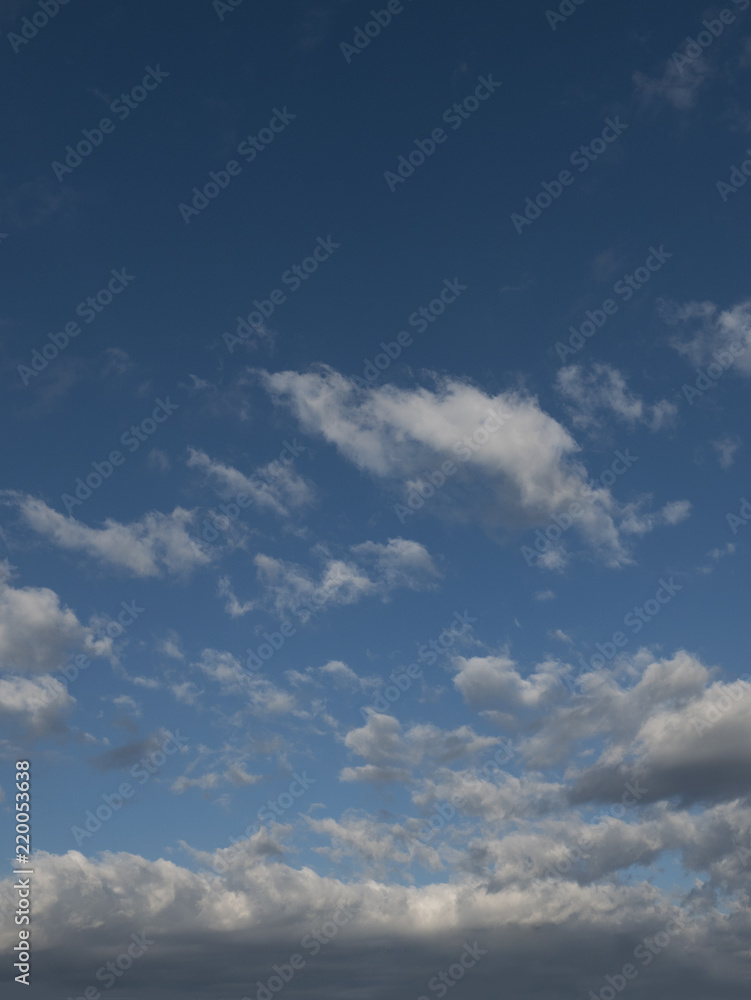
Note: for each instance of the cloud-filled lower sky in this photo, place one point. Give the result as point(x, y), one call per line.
point(374, 516)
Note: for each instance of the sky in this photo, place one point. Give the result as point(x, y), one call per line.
point(374, 511)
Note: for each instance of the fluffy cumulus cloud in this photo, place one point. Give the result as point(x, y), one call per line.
point(34, 708)
point(37, 632)
point(534, 931)
point(514, 465)
point(540, 862)
point(156, 544)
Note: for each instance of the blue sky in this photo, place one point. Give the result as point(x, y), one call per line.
point(461, 317)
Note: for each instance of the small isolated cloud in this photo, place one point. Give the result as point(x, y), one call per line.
point(604, 389)
point(344, 676)
point(679, 85)
point(158, 460)
point(170, 646)
point(725, 449)
point(707, 334)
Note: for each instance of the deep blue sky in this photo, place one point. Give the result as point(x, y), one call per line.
point(325, 526)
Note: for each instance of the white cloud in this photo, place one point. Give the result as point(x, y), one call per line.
point(637, 522)
point(261, 696)
point(156, 544)
point(494, 681)
point(554, 938)
point(604, 388)
point(275, 487)
point(523, 474)
point(344, 676)
point(36, 632)
point(392, 752)
point(708, 331)
point(726, 448)
point(34, 708)
point(287, 586)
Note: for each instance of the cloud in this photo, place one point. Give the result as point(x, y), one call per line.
point(261, 696)
point(678, 85)
point(288, 587)
point(603, 389)
point(170, 646)
point(706, 331)
point(36, 632)
point(392, 752)
point(130, 753)
point(697, 751)
point(517, 477)
point(493, 681)
point(34, 709)
point(726, 448)
point(156, 544)
point(210, 934)
point(344, 676)
point(273, 487)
